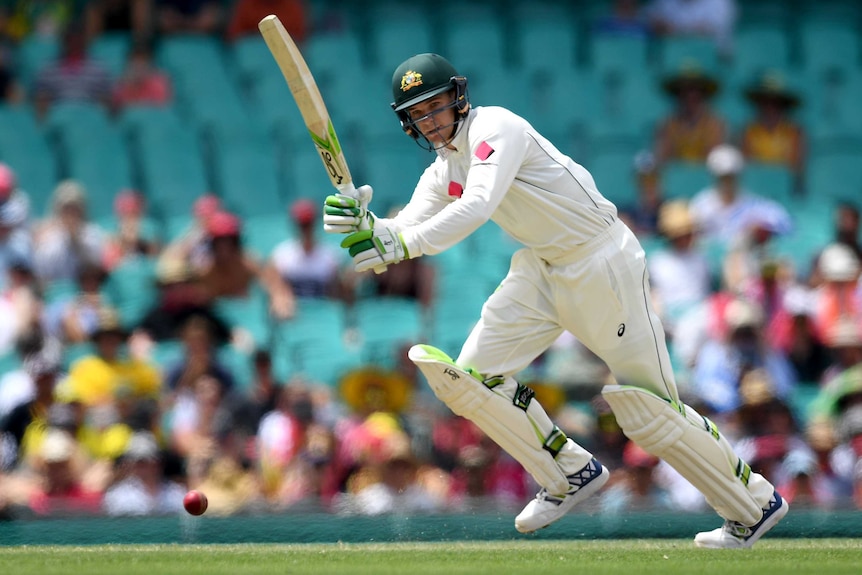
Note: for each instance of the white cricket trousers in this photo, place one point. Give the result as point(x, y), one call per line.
point(599, 292)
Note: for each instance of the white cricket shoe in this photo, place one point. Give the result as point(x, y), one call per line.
point(547, 508)
point(735, 535)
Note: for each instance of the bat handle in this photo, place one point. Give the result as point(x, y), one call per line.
point(349, 189)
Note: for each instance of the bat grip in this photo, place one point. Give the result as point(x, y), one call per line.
point(349, 189)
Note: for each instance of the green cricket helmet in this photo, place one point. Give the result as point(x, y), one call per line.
point(422, 77)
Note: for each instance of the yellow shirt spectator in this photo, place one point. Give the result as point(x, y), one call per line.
point(96, 380)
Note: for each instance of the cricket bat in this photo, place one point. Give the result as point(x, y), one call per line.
point(311, 106)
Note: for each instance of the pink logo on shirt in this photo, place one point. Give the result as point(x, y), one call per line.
point(455, 189)
point(484, 151)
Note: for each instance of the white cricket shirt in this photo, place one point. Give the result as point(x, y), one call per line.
point(502, 169)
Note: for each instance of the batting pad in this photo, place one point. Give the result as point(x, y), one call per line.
point(691, 444)
point(524, 432)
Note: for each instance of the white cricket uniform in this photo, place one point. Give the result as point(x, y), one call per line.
point(582, 269)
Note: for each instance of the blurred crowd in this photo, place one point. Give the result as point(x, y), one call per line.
point(116, 399)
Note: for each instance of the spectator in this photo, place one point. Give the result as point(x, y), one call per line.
point(680, 275)
point(192, 245)
point(845, 346)
point(232, 272)
point(133, 236)
point(771, 433)
point(20, 304)
point(714, 19)
point(838, 295)
point(247, 13)
point(74, 318)
point(693, 128)
point(642, 216)
point(625, 18)
point(307, 267)
point(74, 77)
point(261, 398)
point(97, 378)
point(142, 489)
point(61, 490)
point(725, 211)
point(11, 91)
point(795, 335)
point(16, 385)
point(31, 417)
point(67, 239)
point(142, 83)
point(282, 439)
point(199, 359)
point(181, 296)
point(131, 17)
point(772, 136)
point(46, 19)
point(721, 364)
point(636, 488)
point(14, 202)
point(188, 16)
point(846, 221)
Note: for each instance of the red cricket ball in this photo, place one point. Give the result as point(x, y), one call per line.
point(195, 502)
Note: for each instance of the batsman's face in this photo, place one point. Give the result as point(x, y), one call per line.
point(435, 118)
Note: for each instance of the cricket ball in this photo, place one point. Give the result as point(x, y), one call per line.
point(195, 502)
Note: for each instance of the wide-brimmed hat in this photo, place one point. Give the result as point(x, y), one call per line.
point(771, 85)
point(675, 219)
point(375, 389)
point(690, 75)
point(108, 323)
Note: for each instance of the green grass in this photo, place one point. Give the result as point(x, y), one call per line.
point(640, 557)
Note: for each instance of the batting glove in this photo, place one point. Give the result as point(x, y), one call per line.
point(375, 248)
point(343, 214)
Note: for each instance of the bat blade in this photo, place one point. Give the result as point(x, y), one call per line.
point(309, 101)
point(311, 106)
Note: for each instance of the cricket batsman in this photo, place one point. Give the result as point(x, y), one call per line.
point(581, 270)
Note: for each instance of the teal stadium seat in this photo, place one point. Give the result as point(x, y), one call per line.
point(614, 176)
point(111, 49)
point(250, 313)
point(546, 37)
point(474, 37)
point(829, 45)
point(831, 110)
point(386, 325)
point(393, 169)
point(684, 179)
point(331, 52)
point(318, 324)
point(764, 46)
point(24, 147)
point(835, 175)
point(86, 136)
point(675, 52)
point(131, 287)
point(34, 53)
point(770, 180)
point(205, 92)
point(398, 32)
point(251, 59)
point(171, 168)
point(618, 52)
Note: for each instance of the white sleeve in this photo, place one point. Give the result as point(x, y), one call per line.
point(496, 155)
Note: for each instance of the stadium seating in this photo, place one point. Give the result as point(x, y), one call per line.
point(384, 325)
point(23, 146)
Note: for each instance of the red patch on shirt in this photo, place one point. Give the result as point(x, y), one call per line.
point(484, 151)
point(455, 189)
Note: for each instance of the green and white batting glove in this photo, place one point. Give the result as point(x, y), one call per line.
point(343, 214)
point(375, 248)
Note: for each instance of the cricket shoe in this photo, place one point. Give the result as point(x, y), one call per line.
point(547, 508)
point(735, 535)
